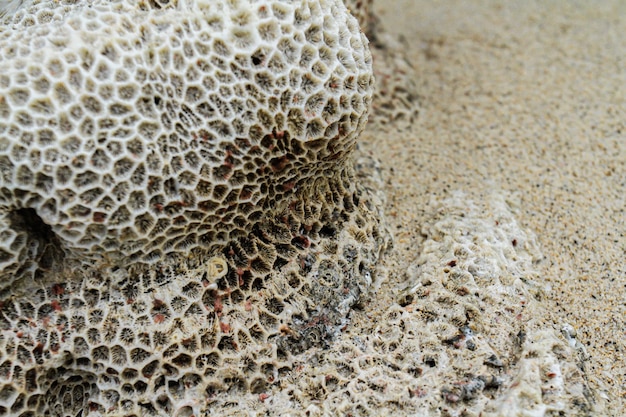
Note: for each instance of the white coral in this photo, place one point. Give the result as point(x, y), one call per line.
point(131, 129)
point(179, 215)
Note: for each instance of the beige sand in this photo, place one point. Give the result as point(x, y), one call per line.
point(527, 98)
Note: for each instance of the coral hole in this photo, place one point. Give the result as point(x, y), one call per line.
point(44, 244)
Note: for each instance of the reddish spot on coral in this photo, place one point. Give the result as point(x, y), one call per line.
point(263, 397)
point(56, 305)
point(57, 289)
point(245, 194)
point(302, 241)
point(99, 217)
point(288, 186)
point(451, 398)
point(278, 164)
point(159, 318)
point(180, 220)
point(224, 327)
point(417, 392)
point(218, 307)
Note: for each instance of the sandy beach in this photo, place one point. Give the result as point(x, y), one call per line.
point(526, 100)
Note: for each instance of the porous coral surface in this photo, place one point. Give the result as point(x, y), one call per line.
point(180, 214)
point(464, 325)
point(135, 130)
point(461, 335)
point(363, 11)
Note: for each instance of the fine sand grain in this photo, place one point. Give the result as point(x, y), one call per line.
point(526, 100)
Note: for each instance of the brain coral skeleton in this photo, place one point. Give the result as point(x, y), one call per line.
point(179, 214)
point(132, 131)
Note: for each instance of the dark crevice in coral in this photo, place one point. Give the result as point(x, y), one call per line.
point(42, 239)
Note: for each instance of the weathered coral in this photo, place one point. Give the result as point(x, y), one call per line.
point(179, 214)
point(468, 336)
point(363, 10)
point(134, 132)
point(395, 104)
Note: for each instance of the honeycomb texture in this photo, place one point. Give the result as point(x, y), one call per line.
point(395, 104)
point(363, 11)
point(174, 338)
point(437, 348)
point(131, 131)
point(180, 215)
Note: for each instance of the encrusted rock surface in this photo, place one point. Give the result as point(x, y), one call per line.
point(462, 335)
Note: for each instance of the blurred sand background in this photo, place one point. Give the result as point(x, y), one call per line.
point(527, 98)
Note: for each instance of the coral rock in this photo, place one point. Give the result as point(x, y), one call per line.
point(179, 212)
point(131, 130)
